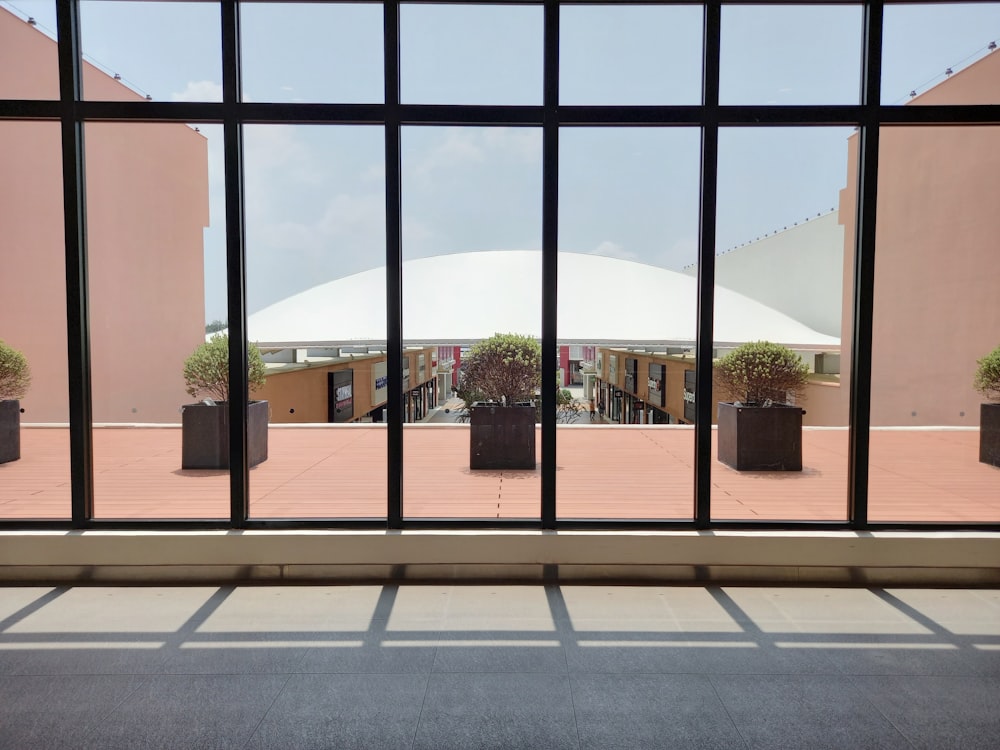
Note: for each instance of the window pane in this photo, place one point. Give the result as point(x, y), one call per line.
point(936, 314)
point(933, 54)
point(312, 52)
point(775, 54)
point(628, 229)
point(780, 278)
point(155, 240)
point(168, 51)
point(463, 54)
point(33, 315)
point(315, 198)
point(29, 64)
point(620, 54)
point(472, 268)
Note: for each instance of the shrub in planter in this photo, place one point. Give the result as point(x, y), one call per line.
point(758, 429)
point(205, 425)
point(499, 379)
point(987, 382)
point(15, 378)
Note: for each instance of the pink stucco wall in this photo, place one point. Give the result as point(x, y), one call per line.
point(937, 288)
point(147, 206)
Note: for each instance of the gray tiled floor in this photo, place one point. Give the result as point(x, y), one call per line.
point(467, 667)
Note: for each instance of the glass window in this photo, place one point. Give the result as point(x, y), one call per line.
point(780, 288)
point(471, 54)
point(935, 316)
point(630, 54)
point(312, 52)
point(472, 268)
point(628, 229)
point(788, 54)
point(933, 54)
point(167, 51)
point(315, 199)
point(155, 239)
point(29, 63)
point(34, 420)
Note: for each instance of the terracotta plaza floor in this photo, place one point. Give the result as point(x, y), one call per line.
point(604, 471)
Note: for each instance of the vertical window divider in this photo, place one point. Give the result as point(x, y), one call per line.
point(81, 439)
point(706, 265)
point(393, 266)
point(239, 471)
point(550, 259)
point(864, 267)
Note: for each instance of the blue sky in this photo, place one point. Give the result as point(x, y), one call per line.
point(315, 195)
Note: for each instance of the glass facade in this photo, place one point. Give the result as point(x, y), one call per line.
point(639, 190)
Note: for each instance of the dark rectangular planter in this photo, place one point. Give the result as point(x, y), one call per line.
point(989, 434)
point(205, 435)
point(760, 438)
point(10, 431)
point(502, 437)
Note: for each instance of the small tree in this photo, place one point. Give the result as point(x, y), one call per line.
point(207, 369)
point(505, 367)
point(761, 373)
point(15, 375)
point(987, 380)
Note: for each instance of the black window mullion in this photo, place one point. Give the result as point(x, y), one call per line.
point(864, 269)
point(239, 470)
point(393, 267)
point(550, 260)
point(81, 445)
point(706, 267)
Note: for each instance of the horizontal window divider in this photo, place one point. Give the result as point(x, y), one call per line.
point(30, 109)
point(946, 115)
point(470, 114)
point(565, 116)
point(260, 113)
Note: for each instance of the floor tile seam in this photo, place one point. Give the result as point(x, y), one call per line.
point(732, 720)
point(906, 737)
point(572, 704)
point(270, 707)
point(423, 704)
point(102, 717)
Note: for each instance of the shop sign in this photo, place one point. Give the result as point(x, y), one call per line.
point(406, 374)
point(380, 384)
point(613, 369)
point(689, 391)
point(421, 368)
point(654, 384)
point(342, 396)
point(599, 365)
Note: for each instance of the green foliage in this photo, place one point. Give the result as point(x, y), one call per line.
point(505, 367)
point(761, 373)
point(15, 375)
point(987, 380)
point(215, 326)
point(207, 369)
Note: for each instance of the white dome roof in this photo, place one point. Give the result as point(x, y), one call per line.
point(470, 296)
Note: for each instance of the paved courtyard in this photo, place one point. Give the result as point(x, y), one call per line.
point(604, 471)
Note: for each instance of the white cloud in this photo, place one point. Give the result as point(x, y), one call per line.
point(458, 147)
point(199, 91)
